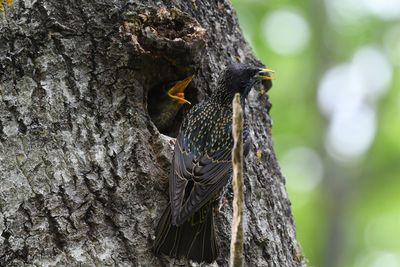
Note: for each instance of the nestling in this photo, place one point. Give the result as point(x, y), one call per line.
point(164, 106)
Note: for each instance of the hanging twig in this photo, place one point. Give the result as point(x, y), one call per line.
point(237, 181)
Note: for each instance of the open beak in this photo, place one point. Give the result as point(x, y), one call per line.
point(177, 91)
point(265, 74)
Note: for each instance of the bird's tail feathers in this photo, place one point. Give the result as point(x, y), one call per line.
point(194, 239)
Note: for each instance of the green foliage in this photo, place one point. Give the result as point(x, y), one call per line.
point(346, 202)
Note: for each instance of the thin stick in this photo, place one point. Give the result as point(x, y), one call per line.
point(237, 181)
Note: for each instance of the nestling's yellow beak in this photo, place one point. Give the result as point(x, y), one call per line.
point(265, 74)
point(177, 91)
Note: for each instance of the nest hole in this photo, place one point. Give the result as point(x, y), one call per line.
point(167, 114)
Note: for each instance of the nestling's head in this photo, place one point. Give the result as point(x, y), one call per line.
point(240, 78)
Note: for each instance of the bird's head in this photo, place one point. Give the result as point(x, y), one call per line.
point(240, 78)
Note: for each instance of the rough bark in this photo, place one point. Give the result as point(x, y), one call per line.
point(83, 170)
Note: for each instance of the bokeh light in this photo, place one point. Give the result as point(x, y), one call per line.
point(349, 11)
point(378, 259)
point(375, 68)
point(384, 9)
point(347, 95)
point(304, 164)
point(286, 31)
point(351, 133)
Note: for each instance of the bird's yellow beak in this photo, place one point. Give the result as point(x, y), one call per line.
point(177, 91)
point(265, 74)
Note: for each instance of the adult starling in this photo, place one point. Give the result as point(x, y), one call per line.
point(201, 167)
point(164, 106)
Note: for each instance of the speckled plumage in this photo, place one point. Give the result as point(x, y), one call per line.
point(201, 167)
point(208, 128)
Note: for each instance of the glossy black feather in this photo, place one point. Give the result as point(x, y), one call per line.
point(194, 239)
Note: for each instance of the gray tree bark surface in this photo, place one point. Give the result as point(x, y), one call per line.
point(83, 170)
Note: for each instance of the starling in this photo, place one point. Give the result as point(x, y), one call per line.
point(201, 167)
point(164, 106)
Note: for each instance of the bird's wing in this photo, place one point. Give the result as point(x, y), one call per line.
point(195, 180)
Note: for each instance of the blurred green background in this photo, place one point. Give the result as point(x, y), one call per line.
point(336, 114)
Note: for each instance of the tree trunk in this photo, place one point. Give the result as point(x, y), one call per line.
point(83, 169)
